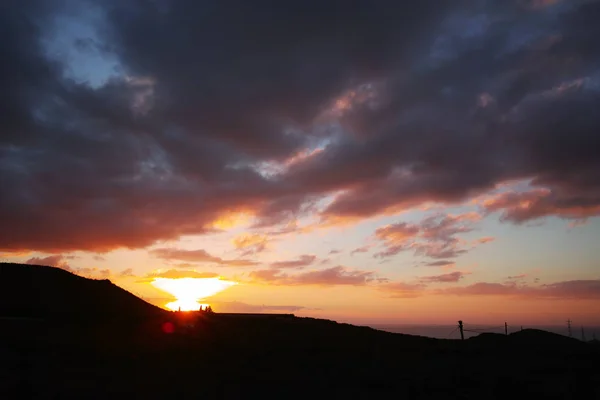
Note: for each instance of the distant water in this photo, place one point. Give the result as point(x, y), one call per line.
point(451, 331)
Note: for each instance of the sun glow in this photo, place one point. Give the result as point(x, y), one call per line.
point(189, 291)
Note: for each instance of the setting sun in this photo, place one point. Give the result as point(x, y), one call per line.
point(189, 291)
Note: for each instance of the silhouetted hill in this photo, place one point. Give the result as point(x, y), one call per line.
point(35, 291)
point(213, 356)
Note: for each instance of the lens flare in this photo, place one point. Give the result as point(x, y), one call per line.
point(189, 291)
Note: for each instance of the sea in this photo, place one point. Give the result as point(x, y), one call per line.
point(452, 331)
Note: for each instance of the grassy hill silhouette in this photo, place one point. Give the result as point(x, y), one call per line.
point(35, 291)
point(213, 356)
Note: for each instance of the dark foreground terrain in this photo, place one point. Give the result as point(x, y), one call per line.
point(76, 338)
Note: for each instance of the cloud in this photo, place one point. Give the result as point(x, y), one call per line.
point(127, 273)
point(60, 261)
point(403, 290)
point(334, 251)
point(396, 237)
point(439, 263)
point(57, 260)
point(302, 261)
point(444, 278)
point(198, 256)
point(327, 277)
point(485, 239)
point(434, 236)
point(177, 274)
point(578, 289)
point(282, 117)
point(250, 243)
point(517, 277)
point(520, 207)
point(362, 249)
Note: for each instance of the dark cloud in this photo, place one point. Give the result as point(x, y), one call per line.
point(440, 263)
point(303, 261)
point(517, 277)
point(201, 256)
point(217, 107)
point(444, 278)
point(326, 277)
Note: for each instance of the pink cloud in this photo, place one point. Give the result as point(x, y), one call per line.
point(581, 289)
point(327, 277)
point(362, 249)
point(434, 237)
point(301, 262)
point(520, 207)
point(57, 260)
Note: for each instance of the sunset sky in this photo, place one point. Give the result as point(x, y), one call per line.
point(366, 161)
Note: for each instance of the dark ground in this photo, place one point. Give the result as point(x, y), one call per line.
point(123, 352)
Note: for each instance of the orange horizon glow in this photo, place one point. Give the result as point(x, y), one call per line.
point(189, 291)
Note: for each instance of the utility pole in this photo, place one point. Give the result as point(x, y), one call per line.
point(505, 328)
point(460, 327)
point(569, 327)
point(582, 335)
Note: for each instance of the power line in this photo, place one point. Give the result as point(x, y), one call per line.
point(454, 330)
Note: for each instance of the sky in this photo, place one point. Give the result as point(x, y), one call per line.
point(366, 161)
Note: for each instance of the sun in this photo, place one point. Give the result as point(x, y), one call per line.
point(188, 291)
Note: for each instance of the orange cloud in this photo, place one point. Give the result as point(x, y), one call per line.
point(176, 274)
point(485, 239)
point(403, 290)
point(250, 243)
point(199, 255)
